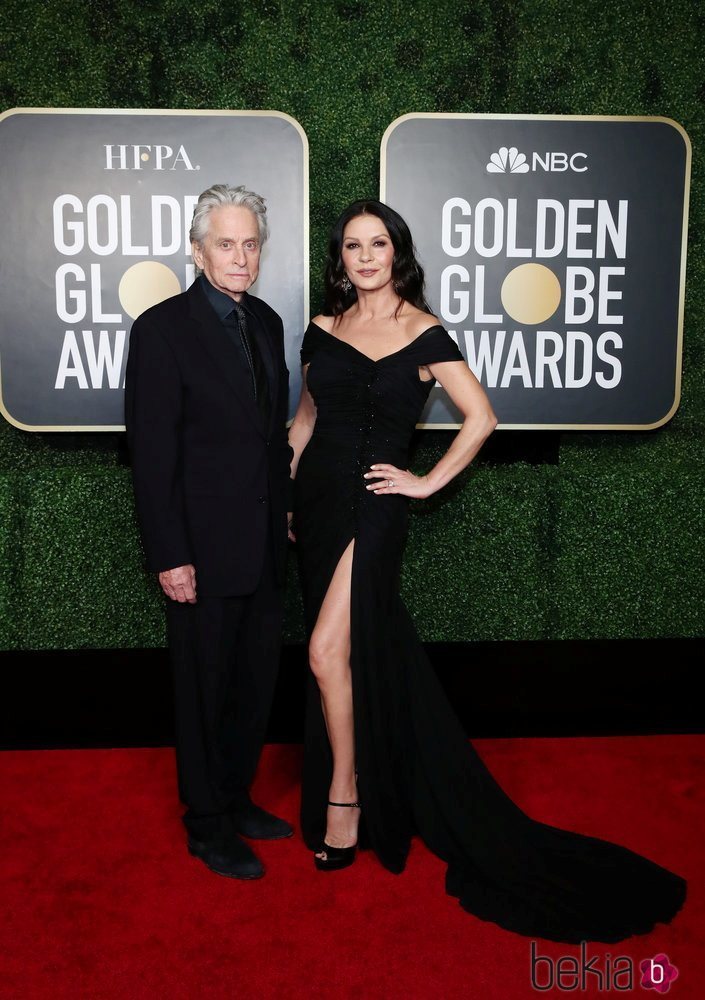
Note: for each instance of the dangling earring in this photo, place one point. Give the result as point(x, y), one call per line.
point(346, 283)
point(396, 285)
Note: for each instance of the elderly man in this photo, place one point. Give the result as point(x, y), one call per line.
point(206, 395)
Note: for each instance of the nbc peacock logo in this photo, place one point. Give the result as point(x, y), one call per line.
point(508, 161)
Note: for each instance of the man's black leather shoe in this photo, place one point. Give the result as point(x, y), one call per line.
point(256, 823)
point(232, 858)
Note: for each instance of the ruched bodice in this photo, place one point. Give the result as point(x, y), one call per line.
point(417, 772)
point(366, 410)
point(371, 405)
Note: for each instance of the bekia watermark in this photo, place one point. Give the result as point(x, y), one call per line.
point(569, 973)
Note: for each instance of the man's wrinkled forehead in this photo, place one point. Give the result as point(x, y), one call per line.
point(234, 223)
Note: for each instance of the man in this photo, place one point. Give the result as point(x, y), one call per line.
point(206, 396)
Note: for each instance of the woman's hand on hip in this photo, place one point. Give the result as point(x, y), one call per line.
point(389, 480)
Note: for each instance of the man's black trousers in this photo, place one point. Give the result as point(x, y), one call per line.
point(225, 657)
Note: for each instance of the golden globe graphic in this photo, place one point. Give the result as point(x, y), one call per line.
point(145, 285)
point(554, 252)
point(531, 293)
point(111, 216)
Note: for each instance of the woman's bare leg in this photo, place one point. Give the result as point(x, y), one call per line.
point(329, 656)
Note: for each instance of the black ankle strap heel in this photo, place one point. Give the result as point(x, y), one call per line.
point(337, 857)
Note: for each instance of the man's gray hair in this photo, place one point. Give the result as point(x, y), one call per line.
point(221, 195)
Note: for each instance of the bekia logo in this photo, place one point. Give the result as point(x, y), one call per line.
point(658, 973)
point(141, 156)
point(578, 972)
point(508, 160)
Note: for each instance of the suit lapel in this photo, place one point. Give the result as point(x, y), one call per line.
point(216, 342)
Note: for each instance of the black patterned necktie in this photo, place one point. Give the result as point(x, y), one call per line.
point(253, 356)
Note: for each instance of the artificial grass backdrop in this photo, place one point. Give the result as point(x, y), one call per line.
point(608, 543)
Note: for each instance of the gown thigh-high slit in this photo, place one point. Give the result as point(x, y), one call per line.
point(417, 772)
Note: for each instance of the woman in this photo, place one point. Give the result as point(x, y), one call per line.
point(383, 747)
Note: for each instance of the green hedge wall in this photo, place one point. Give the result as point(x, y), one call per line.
point(606, 544)
point(517, 552)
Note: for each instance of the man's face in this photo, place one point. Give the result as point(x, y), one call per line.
point(229, 255)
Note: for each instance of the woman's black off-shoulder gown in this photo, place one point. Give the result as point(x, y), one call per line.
point(418, 774)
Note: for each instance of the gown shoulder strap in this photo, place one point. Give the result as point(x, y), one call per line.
point(435, 345)
point(310, 342)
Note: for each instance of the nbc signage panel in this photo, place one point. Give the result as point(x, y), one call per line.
point(554, 251)
point(99, 205)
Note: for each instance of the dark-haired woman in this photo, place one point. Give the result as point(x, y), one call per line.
point(383, 747)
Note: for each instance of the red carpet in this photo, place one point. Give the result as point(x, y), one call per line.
point(102, 902)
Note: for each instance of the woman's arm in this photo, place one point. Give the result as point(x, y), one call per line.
point(301, 429)
point(478, 423)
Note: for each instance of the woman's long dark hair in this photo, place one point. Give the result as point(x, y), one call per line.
point(407, 273)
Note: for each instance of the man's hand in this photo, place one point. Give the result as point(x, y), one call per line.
point(179, 583)
point(289, 522)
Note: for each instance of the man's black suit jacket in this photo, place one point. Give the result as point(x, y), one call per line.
point(209, 477)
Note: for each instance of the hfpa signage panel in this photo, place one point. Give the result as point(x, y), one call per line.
point(99, 205)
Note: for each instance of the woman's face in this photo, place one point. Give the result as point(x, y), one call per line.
point(367, 253)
